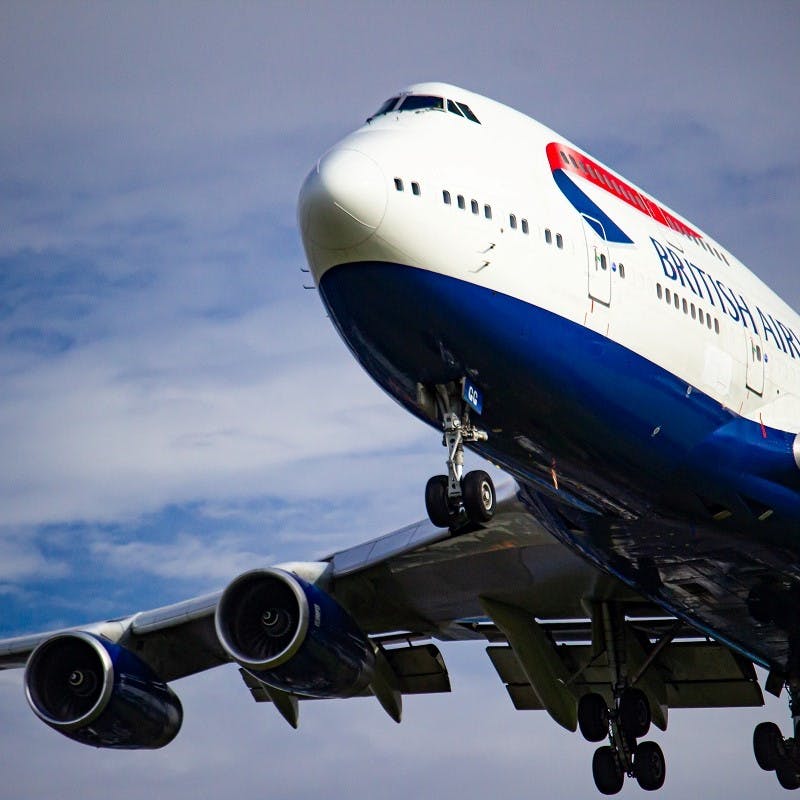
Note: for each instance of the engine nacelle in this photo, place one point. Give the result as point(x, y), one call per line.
point(99, 693)
point(293, 636)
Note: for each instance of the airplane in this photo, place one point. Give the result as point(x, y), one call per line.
point(639, 385)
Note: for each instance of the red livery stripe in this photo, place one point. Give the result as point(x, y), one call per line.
point(565, 158)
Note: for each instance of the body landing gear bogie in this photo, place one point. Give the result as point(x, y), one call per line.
point(622, 726)
point(777, 754)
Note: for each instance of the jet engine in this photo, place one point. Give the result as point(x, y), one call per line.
point(293, 636)
point(98, 693)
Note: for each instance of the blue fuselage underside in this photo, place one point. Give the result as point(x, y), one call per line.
point(622, 459)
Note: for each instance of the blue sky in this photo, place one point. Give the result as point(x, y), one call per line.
point(175, 407)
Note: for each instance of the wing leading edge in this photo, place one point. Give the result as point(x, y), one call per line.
point(554, 622)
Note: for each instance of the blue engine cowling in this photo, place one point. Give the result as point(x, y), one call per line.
point(293, 636)
point(99, 693)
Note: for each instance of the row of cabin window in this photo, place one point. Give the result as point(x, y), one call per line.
point(604, 265)
point(688, 308)
point(398, 184)
point(713, 250)
point(548, 237)
point(462, 204)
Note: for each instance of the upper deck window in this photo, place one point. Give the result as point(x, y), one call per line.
point(418, 102)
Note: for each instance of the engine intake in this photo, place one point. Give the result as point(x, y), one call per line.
point(98, 693)
point(293, 636)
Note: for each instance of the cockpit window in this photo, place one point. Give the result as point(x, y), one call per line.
point(417, 102)
point(467, 112)
point(451, 106)
point(386, 107)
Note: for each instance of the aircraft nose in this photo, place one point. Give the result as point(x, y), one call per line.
point(343, 199)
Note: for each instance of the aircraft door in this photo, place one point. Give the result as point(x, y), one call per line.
point(755, 361)
point(598, 261)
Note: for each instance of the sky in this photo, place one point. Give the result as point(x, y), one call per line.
point(176, 408)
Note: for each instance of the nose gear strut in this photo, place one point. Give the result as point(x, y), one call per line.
point(449, 498)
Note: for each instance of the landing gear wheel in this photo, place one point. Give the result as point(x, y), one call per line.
point(768, 746)
point(436, 501)
point(478, 495)
point(649, 766)
point(787, 777)
point(634, 713)
point(593, 717)
point(608, 777)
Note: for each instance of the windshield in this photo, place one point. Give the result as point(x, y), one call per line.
point(416, 102)
point(386, 107)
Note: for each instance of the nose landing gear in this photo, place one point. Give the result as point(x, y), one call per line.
point(449, 498)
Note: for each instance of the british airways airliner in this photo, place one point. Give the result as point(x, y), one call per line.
point(638, 382)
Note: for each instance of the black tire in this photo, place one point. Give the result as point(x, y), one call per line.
point(634, 713)
point(478, 495)
point(607, 774)
point(649, 766)
point(593, 717)
point(787, 777)
point(436, 502)
point(768, 746)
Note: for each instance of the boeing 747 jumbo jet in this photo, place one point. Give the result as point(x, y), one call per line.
point(639, 383)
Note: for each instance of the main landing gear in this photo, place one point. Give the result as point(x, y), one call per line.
point(776, 754)
point(452, 497)
point(623, 714)
point(622, 725)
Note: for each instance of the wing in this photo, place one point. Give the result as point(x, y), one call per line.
point(363, 622)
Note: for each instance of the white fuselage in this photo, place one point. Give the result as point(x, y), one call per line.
point(681, 301)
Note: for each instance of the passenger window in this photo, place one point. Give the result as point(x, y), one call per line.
point(700, 315)
point(758, 353)
point(716, 325)
point(708, 321)
point(677, 302)
point(415, 188)
point(512, 221)
point(524, 226)
point(446, 197)
point(694, 311)
point(398, 184)
point(487, 212)
point(658, 290)
point(559, 241)
point(548, 237)
point(622, 270)
point(668, 296)
point(461, 203)
point(474, 206)
point(685, 306)
point(603, 262)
